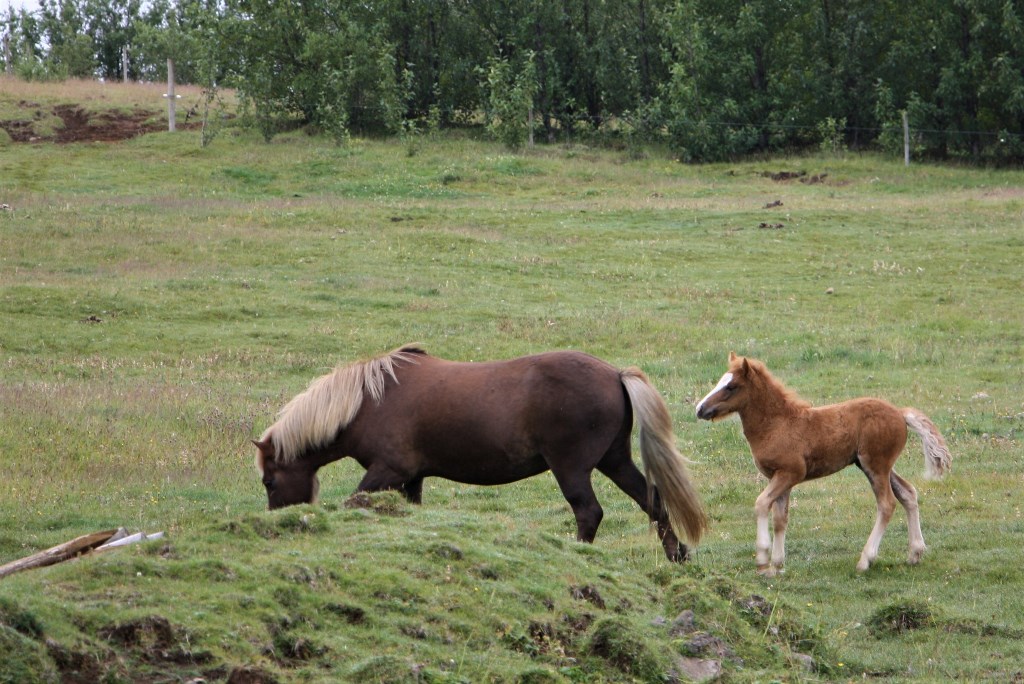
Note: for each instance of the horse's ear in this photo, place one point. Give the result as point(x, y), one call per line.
point(265, 446)
point(732, 356)
point(746, 366)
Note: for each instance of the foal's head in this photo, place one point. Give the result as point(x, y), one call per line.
point(731, 393)
point(287, 482)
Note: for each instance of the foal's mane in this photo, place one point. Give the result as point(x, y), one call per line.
point(313, 418)
point(778, 393)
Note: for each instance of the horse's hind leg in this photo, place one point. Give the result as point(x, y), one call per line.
point(907, 495)
point(885, 503)
point(624, 473)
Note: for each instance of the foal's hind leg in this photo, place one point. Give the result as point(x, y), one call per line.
point(907, 495)
point(885, 503)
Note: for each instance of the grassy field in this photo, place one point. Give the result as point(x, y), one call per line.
point(161, 301)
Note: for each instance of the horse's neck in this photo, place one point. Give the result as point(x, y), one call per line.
point(774, 404)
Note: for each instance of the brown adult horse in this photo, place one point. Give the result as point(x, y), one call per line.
point(486, 424)
point(792, 442)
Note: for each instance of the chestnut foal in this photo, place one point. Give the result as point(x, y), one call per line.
point(791, 442)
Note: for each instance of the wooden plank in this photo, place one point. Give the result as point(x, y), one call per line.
point(59, 553)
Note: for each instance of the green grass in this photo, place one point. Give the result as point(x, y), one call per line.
point(160, 301)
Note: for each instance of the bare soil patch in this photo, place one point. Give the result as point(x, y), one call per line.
point(81, 125)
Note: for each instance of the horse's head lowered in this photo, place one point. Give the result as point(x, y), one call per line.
point(287, 482)
point(731, 393)
point(300, 441)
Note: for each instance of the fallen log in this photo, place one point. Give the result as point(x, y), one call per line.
point(59, 553)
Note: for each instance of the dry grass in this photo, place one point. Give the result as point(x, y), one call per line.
point(92, 94)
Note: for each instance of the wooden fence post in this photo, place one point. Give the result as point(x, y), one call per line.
point(529, 124)
point(906, 140)
point(170, 95)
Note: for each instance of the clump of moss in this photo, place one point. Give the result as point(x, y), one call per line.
point(384, 669)
point(388, 502)
point(19, 619)
point(621, 645)
point(901, 617)
point(24, 660)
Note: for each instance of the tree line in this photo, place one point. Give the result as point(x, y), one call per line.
point(713, 79)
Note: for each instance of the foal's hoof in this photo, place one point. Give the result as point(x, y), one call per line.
point(915, 556)
point(768, 570)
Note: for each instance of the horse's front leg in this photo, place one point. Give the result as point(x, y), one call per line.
point(579, 492)
point(380, 477)
point(778, 487)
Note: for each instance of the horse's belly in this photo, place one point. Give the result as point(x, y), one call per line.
point(490, 470)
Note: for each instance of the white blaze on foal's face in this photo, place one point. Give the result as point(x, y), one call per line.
point(726, 379)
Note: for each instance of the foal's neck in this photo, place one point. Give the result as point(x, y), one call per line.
point(773, 402)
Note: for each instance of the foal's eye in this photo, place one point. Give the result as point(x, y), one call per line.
point(730, 388)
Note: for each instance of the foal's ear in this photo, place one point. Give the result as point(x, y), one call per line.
point(746, 366)
point(732, 356)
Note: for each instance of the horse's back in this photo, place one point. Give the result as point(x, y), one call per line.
point(529, 388)
point(494, 421)
point(867, 424)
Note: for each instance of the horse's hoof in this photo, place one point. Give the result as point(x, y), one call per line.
point(766, 570)
point(915, 556)
point(681, 555)
point(863, 566)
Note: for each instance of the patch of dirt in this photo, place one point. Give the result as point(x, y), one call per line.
point(587, 593)
point(81, 126)
point(250, 675)
point(783, 176)
point(77, 667)
point(155, 639)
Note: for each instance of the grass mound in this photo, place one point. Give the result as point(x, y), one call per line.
point(309, 593)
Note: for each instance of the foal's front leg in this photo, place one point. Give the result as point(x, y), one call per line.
point(775, 495)
point(780, 519)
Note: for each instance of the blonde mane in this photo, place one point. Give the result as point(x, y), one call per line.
point(313, 418)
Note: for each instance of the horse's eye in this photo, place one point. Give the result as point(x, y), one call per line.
point(268, 482)
point(730, 388)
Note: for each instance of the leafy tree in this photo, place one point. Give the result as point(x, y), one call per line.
point(63, 26)
point(722, 93)
point(510, 97)
point(312, 63)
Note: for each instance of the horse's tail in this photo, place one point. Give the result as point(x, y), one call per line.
point(937, 459)
point(664, 466)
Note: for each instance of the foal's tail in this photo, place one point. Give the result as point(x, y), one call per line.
point(937, 459)
point(664, 466)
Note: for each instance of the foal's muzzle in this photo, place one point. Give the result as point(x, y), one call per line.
point(706, 412)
